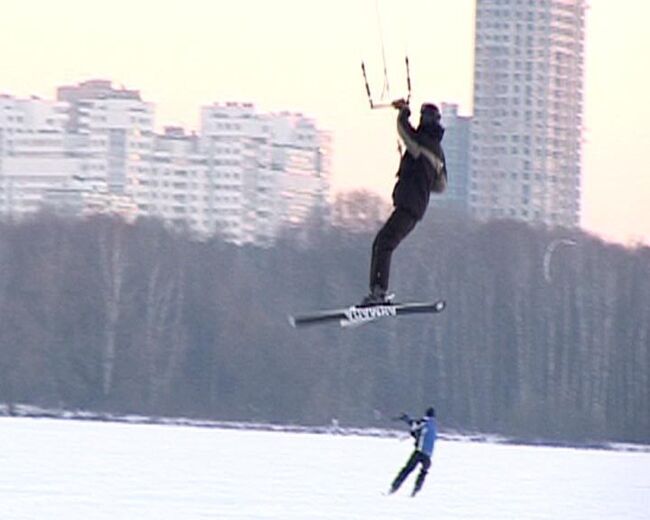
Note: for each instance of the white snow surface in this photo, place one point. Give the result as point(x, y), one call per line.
point(80, 470)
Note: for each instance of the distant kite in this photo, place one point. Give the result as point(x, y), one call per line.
point(550, 249)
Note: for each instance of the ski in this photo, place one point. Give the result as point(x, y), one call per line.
point(357, 315)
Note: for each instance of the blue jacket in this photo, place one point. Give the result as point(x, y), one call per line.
point(425, 433)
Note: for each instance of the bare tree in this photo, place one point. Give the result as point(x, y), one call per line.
point(164, 338)
point(147, 320)
point(113, 263)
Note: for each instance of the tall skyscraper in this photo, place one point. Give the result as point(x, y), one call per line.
point(526, 136)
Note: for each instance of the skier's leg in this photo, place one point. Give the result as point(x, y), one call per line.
point(404, 472)
point(398, 225)
point(425, 460)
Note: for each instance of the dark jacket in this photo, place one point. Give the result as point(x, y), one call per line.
point(422, 166)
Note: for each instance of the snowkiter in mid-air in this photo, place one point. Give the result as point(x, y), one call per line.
point(425, 432)
point(421, 170)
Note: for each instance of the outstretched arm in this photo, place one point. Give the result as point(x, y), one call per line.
point(415, 425)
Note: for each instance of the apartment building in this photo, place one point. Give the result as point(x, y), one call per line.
point(265, 170)
point(33, 153)
point(526, 132)
point(112, 131)
point(244, 176)
point(174, 186)
point(300, 164)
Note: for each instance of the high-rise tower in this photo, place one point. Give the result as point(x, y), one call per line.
point(525, 158)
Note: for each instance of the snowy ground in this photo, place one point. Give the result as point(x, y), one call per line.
point(72, 470)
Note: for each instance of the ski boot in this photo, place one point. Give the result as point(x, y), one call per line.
point(377, 296)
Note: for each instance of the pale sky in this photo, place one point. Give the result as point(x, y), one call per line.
point(305, 55)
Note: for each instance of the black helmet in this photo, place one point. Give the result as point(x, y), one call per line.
point(431, 412)
point(429, 113)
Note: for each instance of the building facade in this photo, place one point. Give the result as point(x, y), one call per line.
point(33, 153)
point(244, 177)
point(174, 185)
point(265, 171)
point(112, 131)
point(526, 132)
point(300, 164)
point(456, 146)
point(236, 142)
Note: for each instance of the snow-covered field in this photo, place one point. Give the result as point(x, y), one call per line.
point(72, 470)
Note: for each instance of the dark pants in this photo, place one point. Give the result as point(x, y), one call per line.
point(398, 225)
point(416, 458)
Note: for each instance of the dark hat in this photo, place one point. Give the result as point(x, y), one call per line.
point(431, 412)
point(430, 112)
point(430, 109)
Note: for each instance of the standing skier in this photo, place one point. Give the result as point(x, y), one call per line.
point(421, 170)
point(424, 432)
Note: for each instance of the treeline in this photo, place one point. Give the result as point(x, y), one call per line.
point(133, 318)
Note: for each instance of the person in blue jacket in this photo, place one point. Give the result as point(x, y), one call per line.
point(424, 432)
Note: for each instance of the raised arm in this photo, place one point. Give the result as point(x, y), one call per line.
point(410, 138)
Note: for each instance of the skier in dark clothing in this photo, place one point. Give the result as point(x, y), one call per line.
point(425, 432)
point(421, 171)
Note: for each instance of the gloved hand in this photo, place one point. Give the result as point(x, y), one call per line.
point(401, 104)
